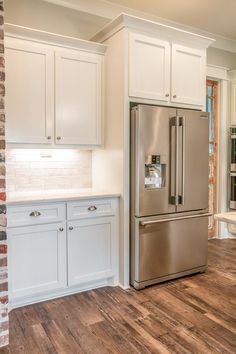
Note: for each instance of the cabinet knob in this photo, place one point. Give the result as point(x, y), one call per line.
point(49, 137)
point(61, 229)
point(167, 95)
point(174, 96)
point(58, 138)
point(92, 208)
point(70, 228)
point(35, 213)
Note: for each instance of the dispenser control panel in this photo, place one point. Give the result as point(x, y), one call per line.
point(155, 171)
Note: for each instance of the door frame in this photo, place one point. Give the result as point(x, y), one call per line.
point(220, 74)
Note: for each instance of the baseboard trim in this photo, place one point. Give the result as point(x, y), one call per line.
point(30, 300)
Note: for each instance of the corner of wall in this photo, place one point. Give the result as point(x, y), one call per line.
point(4, 326)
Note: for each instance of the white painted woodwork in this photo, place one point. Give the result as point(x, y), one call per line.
point(37, 259)
point(90, 208)
point(232, 75)
point(19, 215)
point(188, 75)
point(90, 250)
point(149, 67)
point(54, 91)
point(29, 92)
point(78, 84)
point(113, 162)
point(48, 259)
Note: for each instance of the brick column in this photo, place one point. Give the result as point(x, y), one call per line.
point(3, 243)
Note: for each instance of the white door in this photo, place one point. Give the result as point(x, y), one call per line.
point(188, 80)
point(90, 250)
point(37, 259)
point(29, 92)
point(78, 100)
point(149, 67)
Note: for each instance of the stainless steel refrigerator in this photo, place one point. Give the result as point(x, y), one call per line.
point(169, 193)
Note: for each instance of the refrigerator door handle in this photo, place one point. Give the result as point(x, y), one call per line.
point(145, 223)
point(174, 170)
point(182, 126)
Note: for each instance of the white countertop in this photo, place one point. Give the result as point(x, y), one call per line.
point(58, 195)
point(229, 217)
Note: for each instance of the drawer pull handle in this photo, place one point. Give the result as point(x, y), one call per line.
point(92, 208)
point(35, 213)
point(174, 96)
point(61, 229)
point(71, 228)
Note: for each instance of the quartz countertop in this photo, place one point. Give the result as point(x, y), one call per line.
point(229, 217)
point(58, 195)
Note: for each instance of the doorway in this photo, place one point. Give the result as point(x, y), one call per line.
point(212, 108)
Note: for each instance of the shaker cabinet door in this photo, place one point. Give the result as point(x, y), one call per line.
point(188, 79)
point(37, 259)
point(78, 92)
point(29, 92)
point(149, 68)
point(90, 250)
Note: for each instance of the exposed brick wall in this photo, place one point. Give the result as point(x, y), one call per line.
point(3, 245)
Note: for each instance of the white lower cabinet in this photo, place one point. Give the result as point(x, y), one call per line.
point(37, 259)
point(90, 250)
point(52, 259)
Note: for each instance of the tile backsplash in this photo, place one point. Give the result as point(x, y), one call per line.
point(35, 169)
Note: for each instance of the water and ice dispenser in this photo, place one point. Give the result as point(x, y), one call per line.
point(155, 171)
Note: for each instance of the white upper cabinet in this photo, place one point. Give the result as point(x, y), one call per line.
point(149, 67)
point(156, 74)
point(29, 92)
point(54, 89)
point(78, 98)
point(188, 79)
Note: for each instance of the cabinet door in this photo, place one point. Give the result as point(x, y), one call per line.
point(29, 92)
point(78, 98)
point(188, 81)
point(37, 259)
point(90, 250)
point(149, 68)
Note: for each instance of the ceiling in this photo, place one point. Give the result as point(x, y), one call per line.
point(215, 16)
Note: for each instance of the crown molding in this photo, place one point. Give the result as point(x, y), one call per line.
point(21, 32)
point(110, 11)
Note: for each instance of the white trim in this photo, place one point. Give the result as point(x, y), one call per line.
point(152, 27)
point(220, 74)
point(30, 34)
point(28, 300)
point(217, 72)
point(109, 11)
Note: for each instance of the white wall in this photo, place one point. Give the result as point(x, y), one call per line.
point(44, 16)
point(221, 58)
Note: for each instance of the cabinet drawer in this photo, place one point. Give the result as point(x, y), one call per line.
point(90, 208)
point(34, 214)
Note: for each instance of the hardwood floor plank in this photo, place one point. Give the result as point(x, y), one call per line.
point(194, 314)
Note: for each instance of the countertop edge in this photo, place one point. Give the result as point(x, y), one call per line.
point(48, 199)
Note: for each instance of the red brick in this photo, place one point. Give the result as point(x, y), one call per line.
point(3, 194)
point(4, 300)
point(3, 287)
point(2, 62)
point(3, 263)
point(3, 249)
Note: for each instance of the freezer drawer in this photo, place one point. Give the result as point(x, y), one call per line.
point(163, 249)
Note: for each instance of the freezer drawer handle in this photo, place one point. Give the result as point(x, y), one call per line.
point(145, 223)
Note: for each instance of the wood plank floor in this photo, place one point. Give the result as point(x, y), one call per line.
point(194, 314)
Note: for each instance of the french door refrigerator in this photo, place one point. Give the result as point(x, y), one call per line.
point(169, 193)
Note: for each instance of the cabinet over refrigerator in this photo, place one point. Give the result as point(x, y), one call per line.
point(169, 193)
